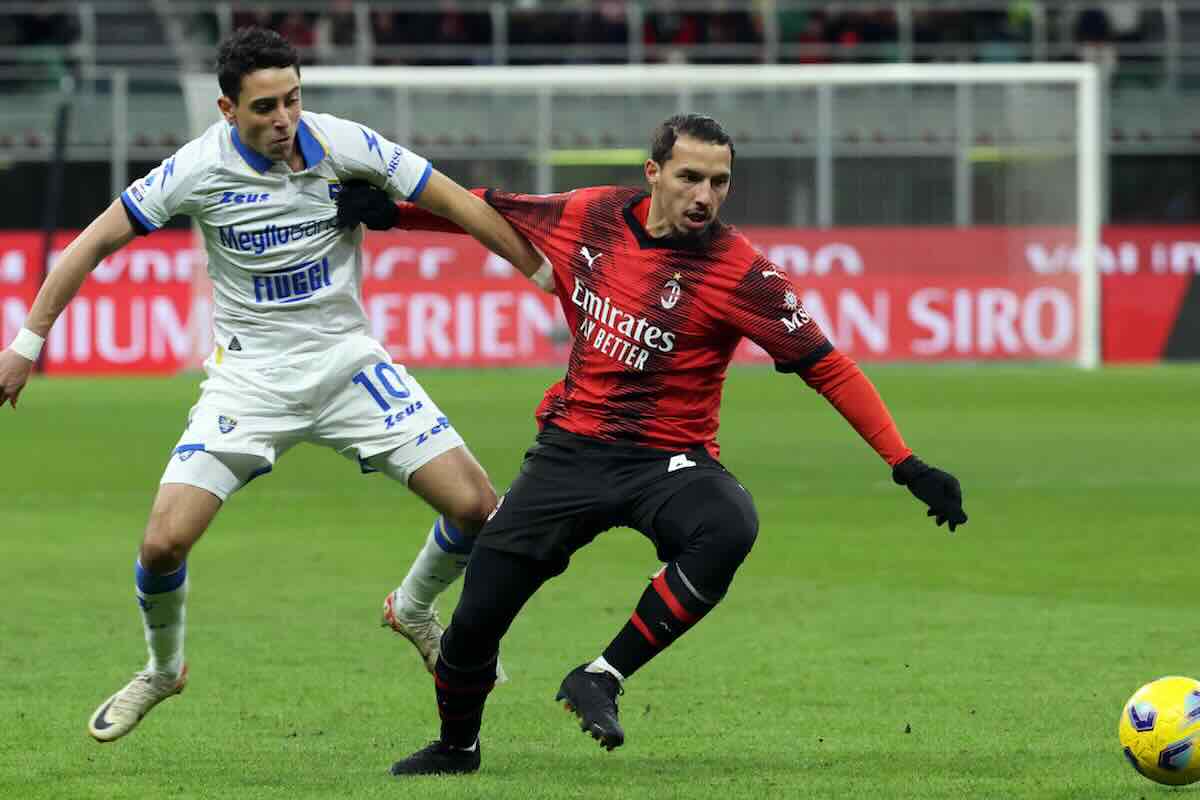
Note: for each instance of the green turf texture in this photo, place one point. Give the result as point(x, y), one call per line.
point(861, 653)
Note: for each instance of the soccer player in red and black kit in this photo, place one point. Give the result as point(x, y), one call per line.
point(658, 292)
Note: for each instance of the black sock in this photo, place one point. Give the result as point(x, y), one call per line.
point(667, 610)
point(461, 694)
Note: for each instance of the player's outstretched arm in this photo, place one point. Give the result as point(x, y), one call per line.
point(839, 380)
point(766, 307)
point(108, 233)
point(447, 199)
point(362, 203)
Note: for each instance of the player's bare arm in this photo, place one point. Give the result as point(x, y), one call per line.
point(108, 233)
point(446, 198)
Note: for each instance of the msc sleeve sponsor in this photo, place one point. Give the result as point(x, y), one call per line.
point(765, 308)
point(360, 152)
point(167, 190)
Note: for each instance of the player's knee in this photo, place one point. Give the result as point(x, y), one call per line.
point(474, 507)
point(168, 540)
point(484, 503)
point(724, 546)
point(735, 529)
point(161, 554)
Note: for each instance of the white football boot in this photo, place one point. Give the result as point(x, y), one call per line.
point(423, 629)
point(121, 713)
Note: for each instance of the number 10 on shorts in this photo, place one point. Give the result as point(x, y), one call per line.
point(387, 377)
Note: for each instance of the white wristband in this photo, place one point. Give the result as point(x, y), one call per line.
point(27, 344)
point(544, 277)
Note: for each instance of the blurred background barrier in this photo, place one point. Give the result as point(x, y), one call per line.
point(883, 294)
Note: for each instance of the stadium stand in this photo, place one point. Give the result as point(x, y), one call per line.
point(1131, 36)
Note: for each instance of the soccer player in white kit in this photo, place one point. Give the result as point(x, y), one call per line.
point(293, 361)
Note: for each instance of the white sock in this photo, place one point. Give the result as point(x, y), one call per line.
point(441, 560)
point(601, 665)
point(162, 599)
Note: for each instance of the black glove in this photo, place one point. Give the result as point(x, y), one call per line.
point(935, 488)
point(360, 202)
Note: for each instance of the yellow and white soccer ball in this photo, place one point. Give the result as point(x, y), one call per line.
point(1160, 730)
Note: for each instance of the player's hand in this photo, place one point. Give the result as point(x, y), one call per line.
point(14, 373)
point(361, 203)
point(935, 488)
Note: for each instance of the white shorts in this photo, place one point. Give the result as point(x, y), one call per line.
point(351, 398)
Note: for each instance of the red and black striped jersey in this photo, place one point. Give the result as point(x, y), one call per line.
point(655, 321)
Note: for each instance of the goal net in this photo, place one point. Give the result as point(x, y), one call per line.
point(926, 212)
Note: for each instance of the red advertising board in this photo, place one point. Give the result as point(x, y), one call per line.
point(882, 294)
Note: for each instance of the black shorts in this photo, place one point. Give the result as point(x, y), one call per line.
point(572, 488)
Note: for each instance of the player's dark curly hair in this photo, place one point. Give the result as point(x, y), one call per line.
point(697, 126)
point(250, 49)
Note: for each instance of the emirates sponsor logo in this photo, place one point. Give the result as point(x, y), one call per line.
point(625, 338)
point(639, 329)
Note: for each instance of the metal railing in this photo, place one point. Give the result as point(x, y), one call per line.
point(123, 117)
point(1043, 33)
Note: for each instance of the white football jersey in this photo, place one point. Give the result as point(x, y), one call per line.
point(286, 280)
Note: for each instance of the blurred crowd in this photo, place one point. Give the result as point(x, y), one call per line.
point(557, 31)
point(40, 28)
point(597, 31)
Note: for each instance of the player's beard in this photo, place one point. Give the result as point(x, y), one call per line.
point(693, 239)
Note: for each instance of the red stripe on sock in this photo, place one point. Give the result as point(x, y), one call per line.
point(474, 689)
point(645, 631)
point(682, 614)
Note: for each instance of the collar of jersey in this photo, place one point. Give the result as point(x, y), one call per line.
point(648, 242)
point(311, 150)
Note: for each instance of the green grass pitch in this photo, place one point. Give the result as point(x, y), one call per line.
point(862, 652)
